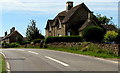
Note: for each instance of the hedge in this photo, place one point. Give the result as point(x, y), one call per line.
point(63, 39)
point(93, 34)
point(37, 41)
point(10, 45)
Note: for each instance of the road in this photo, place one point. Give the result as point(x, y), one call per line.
point(48, 60)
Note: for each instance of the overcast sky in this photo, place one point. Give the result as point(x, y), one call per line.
point(18, 13)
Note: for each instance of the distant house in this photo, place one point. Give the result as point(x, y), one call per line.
point(14, 36)
point(109, 27)
point(71, 21)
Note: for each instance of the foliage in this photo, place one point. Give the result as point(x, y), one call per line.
point(36, 41)
point(118, 37)
point(63, 39)
point(5, 45)
point(104, 19)
point(110, 36)
point(93, 34)
point(25, 42)
point(91, 49)
point(32, 31)
point(11, 45)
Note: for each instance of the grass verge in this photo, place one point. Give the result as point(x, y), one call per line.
point(90, 53)
point(2, 64)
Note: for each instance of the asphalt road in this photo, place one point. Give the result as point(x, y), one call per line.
point(48, 60)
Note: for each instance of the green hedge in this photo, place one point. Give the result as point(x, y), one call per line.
point(36, 41)
point(11, 45)
point(93, 34)
point(63, 39)
point(25, 42)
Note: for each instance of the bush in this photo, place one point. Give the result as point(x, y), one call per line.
point(118, 37)
point(36, 41)
point(63, 39)
point(12, 45)
point(5, 45)
point(93, 34)
point(25, 42)
point(110, 36)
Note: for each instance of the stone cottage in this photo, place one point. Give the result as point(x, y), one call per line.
point(14, 36)
point(71, 21)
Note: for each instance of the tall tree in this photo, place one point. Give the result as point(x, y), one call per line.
point(104, 19)
point(32, 31)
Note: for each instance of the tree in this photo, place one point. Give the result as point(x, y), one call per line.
point(104, 19)
point(110, 36)
point(32, 31)
point(93, 34)
point(118, 37)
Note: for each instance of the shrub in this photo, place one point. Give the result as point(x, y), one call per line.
point(5, 45)
point(36, 41)
point(63, 39)
point(118, 37)
point(25, 42)
point(93, 34)
point(110, 36)
point(12, 45)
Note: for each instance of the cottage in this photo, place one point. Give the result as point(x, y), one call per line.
point(71, 21)
point(14, 36)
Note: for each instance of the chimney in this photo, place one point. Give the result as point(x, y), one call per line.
point(13, 29)
point(69, 5)
point(5, 33)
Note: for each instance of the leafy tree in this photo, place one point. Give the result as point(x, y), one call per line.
point(32, 31)
point(104, 19)
point(118, 37)
point(110, 36)
point(93, 34)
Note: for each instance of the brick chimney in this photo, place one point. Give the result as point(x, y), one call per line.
point(5, 33)
point(13, 29)
point(69, 5)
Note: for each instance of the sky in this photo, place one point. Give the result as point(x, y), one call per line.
point(18, 13)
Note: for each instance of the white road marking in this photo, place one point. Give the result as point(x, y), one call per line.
point(21, 50)
point(115, 62)
point(64, 64)
point(8, 66)
point(33, 52)
point(7, 63)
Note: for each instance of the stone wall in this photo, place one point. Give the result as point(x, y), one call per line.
point(112, 47)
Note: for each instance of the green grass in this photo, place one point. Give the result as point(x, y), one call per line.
point(2, 64)
point(90, 53)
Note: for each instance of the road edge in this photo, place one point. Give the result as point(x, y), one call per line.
point(7, 63)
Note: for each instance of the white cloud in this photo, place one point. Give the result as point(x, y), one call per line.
point(45, 5)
